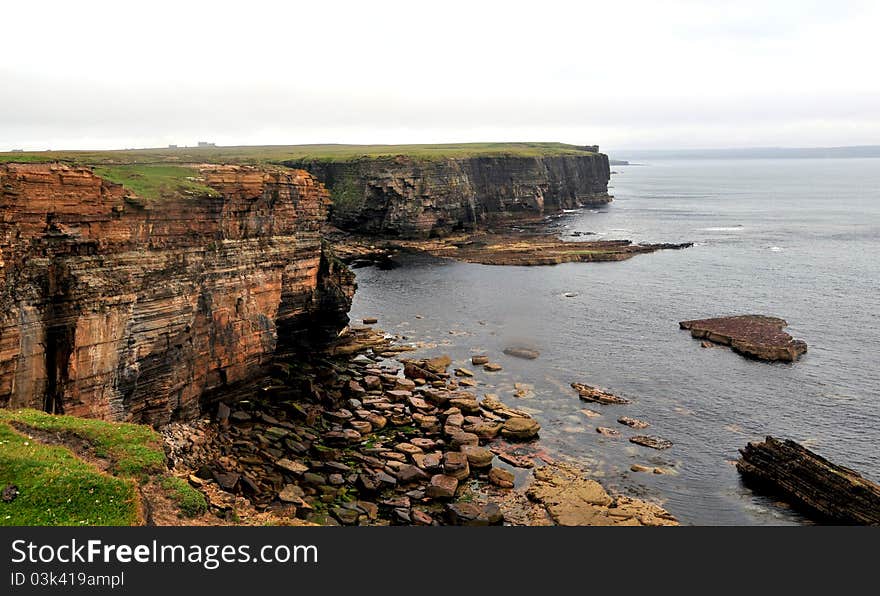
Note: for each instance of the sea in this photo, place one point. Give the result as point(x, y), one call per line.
point(793, 238)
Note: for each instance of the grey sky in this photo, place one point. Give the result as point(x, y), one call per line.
point(94, 74)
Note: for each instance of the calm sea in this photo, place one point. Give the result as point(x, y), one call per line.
point(798, 239)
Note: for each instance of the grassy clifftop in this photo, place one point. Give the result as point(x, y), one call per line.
point(156, 173)
point(63, 470)
point(276, 154)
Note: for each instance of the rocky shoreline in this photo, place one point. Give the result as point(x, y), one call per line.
point(364, 436)
point(508, 246)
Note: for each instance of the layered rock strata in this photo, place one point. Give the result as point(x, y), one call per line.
point(117, 307)
point(419, 198)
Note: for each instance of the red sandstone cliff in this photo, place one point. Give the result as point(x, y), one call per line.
point(120, 308)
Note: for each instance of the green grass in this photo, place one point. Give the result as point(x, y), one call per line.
point(133, 449)
point(277, 154)
point(57, 489)
point(190, 501)
point(153, 181)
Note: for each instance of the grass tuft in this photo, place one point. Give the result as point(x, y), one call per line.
point(191, 502)
point(57, 489)
point(133, 449)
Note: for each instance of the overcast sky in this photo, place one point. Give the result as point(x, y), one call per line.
point(631, 74)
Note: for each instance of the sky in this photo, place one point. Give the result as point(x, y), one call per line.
point(624, 75)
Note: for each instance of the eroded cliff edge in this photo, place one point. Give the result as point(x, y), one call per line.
point(420, 198)
point(122, 308)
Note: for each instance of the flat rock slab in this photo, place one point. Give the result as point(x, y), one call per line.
point(753, 336)
point(572, 499)
point(594, 394)
point(651, 441)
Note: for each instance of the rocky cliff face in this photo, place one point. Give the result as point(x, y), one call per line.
point(121, 308)
point(407, 197)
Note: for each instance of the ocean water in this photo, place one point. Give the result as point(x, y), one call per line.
point(798, 239)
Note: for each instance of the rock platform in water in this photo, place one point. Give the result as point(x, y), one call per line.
point(754, 336)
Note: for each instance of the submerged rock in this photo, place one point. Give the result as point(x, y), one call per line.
point(754, 336)
point(522, 352)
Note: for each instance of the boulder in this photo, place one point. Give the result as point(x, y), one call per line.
point(520, 429)
point(441, 486)
point(478, 457)
point(501, 478)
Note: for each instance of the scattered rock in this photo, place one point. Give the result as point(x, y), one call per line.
point(651, 441)
point(590, 413)
point(460, 438)
point(455, 464)
point(501, 478)
point(408, 474)
point(479, 360)
point(421, 518)
point(608, 432)
point(478, 457)
point(362, 426)
point(633, 422)
point(472, 514)
point(291, 493)
point(593, 394)
point(492, 367)
point(227, 480)
point(369, 321)
point(240, 416)
point(463, 372)
point(372, 383)
point(441, 486)
point(10, 492)
point(223, 413)
point(438, 364)
point(515, 460)
point(520, 429)
point(347, 517)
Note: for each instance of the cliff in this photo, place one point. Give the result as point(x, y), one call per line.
point(118, 307)
point(417, 198)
